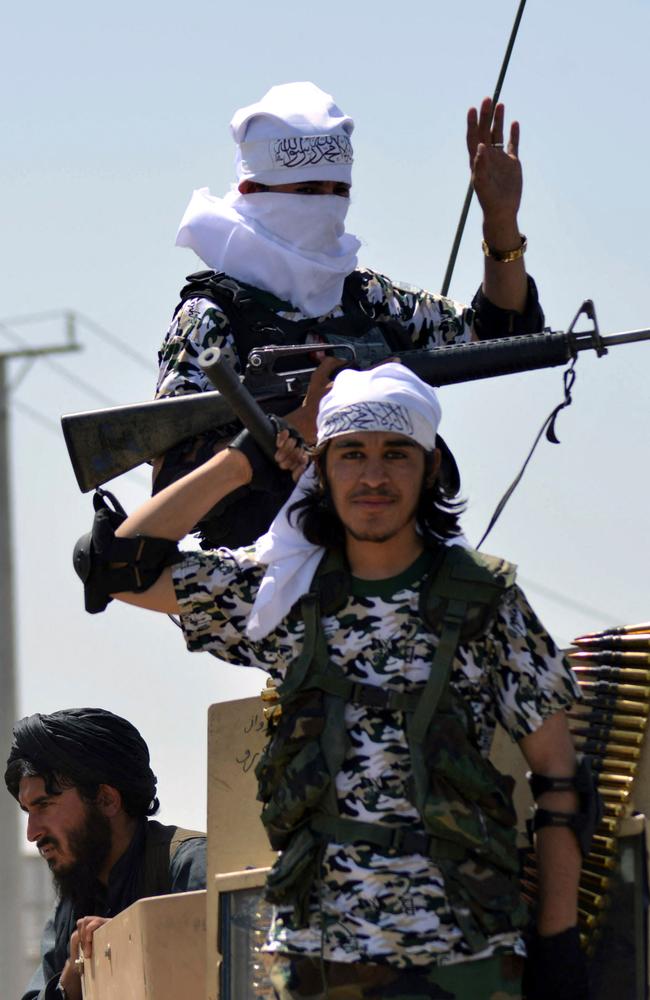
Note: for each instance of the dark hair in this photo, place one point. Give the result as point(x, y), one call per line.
point(437, 513)
point(55, 783)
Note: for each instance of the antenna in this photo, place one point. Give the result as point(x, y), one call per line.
point(470, 190)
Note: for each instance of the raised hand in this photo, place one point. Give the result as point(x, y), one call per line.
point(496, 170)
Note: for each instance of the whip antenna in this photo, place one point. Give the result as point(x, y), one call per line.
point(470, 190)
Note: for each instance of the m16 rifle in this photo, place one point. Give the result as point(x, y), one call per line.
point(105, 443)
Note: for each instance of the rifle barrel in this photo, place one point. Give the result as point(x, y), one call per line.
point(224, 378)
point(627, 337)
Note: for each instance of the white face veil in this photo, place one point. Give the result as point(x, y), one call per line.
point(390, 399)
point(292, 245)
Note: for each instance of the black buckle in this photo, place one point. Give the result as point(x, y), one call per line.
point(369, 695)
point(405, 841)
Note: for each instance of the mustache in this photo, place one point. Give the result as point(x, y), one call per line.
point(45, 842)
point(368, 491)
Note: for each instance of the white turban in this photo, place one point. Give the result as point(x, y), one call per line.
point(390, 399)
point(294, 133)
point(294, 247)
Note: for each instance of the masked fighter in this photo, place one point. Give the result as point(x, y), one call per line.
point(284, 271)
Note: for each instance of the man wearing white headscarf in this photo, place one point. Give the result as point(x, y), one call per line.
point(394, 652)
point(284, 270)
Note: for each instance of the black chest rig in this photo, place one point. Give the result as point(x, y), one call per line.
point(254, 324)
point(465, 805)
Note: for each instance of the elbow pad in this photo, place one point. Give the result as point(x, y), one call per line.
point(140, 560)
point(590, 808)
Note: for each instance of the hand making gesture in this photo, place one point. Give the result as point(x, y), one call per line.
point(497, 180)
point(496, 170)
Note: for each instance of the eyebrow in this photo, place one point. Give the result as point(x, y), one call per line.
point(35, 802)
point(400, 442)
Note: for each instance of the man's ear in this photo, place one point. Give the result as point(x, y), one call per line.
point(434, 467)
point(109, 800)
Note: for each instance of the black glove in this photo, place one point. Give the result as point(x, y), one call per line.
point(267, 476)
point(556, 968)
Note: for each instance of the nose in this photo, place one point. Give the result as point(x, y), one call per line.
point(374, 471)
point(35, 828)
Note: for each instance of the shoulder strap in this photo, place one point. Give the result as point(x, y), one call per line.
point(480, 581)
point(327, 593)
point(161, 844)
point(459, 598)
point(215, 286)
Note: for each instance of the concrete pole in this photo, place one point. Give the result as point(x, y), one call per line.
point(12, 894)
point(11, 957)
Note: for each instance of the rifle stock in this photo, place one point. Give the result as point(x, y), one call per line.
point(105, 443)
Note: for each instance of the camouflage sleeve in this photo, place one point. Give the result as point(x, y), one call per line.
point(198, 324)
point(531, 678)
point(431, 320)
point(215, 592)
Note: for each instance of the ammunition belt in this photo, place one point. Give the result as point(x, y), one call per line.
point(609, 725)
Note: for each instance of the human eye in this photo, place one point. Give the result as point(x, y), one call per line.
point(342, 190)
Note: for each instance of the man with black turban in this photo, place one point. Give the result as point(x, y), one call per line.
point(83, 777)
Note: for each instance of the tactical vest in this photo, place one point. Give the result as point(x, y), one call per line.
point(160, 846)
point(464, 803)
point(254, 324)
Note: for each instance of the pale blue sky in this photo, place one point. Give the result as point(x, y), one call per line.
point(113, 114)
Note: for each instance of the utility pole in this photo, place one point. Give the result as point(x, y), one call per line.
point(11, 868)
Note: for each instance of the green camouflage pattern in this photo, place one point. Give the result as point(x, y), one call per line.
point(371, 907)
point(464, 803)
point(430, 321)
point(496, 978)
point(464, 784)
point(292, 774)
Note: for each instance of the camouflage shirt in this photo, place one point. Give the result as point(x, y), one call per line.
point(430, 321)
point(371, 907)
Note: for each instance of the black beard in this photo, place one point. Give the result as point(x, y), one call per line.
point(90, 845)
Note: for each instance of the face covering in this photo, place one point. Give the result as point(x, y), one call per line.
point(292, 245)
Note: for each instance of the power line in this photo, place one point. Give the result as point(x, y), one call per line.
point(70, 315)
point(60, 369)
point(39, 418)
point(559, 598)
point(112, 338)
point(54, 428)
point(79, 382)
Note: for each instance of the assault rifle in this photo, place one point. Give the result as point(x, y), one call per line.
point(105, 443)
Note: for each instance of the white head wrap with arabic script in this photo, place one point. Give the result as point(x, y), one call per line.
point(389, 399)
point(293, 245)
point(295, 133)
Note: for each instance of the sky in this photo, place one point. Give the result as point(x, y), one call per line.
point(113, 114)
